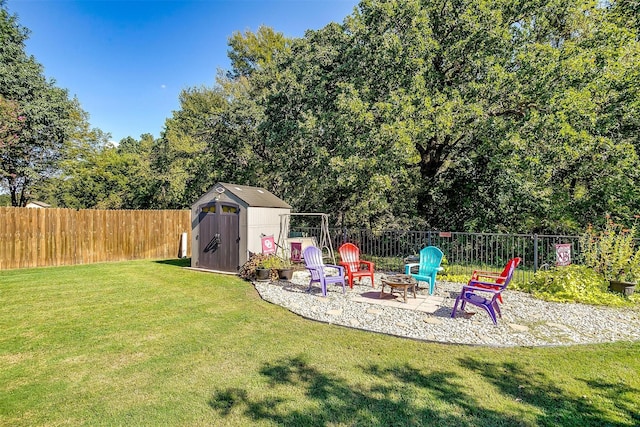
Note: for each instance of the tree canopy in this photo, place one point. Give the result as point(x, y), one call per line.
point(468, 115)
point(38, 119)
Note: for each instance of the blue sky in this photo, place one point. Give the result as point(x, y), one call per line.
point(127, 61)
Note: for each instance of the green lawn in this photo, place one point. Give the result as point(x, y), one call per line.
point(150, 343)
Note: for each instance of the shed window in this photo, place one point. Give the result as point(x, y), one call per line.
point(229, 209)
point(209, 209)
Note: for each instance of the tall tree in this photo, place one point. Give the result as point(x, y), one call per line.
point(105, 176)
point(253, 50)
point(11, 122)
point(471, 115)
point(326, 137)
point(186, 164)
point(481, 113)
point(214, 135)
point(47, 115)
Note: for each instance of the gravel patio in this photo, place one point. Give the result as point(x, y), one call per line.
point(526, 321)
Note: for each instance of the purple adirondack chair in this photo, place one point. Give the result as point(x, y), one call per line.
point(319, 270)
point(485, 297)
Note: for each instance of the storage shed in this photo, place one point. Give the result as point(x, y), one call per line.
point(229, 221)
point(37, 204)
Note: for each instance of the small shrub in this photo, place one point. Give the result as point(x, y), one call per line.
point(454, 278)
point(446, 269)
point(447, 273)
point(611, 252)
point(573, 283)
point(248, 270)
point(272, 261)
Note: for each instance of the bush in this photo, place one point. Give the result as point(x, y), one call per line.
point(274, 261)
point(611, 252)
point(446, 269)
point(573, 283)
point(248, 270)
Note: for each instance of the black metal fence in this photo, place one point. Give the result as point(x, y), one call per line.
point(463, 251)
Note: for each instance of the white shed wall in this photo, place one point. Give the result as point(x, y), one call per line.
point(262, 221)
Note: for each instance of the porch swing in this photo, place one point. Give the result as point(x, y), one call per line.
point(325, 240)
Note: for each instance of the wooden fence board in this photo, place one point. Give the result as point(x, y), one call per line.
point(48, 237)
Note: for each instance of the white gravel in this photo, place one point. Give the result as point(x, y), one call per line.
point(526, 321)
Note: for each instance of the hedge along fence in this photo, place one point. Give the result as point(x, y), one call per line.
point(32, 237)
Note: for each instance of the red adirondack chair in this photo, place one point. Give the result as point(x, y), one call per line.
point(487, 295)
point(354, 267)
point(493, 279)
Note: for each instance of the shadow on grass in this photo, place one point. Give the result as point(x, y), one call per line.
point(554, 406)
point(300, 394)
point(178, 262)
point(624, 397)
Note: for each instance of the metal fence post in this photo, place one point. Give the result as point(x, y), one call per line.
point(535, 253)
point(429, 238)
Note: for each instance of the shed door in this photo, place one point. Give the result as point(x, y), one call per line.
point(219, 240)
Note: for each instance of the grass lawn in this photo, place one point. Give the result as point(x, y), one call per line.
point(149, 343)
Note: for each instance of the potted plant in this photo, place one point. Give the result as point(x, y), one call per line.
point(279, 266)
point(270, 263)
point(625, 275)
point(613, 254)
point(258, 267)
point(263, 274)
point(285, 270)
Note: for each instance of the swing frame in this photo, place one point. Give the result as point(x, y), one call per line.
point(325, 240)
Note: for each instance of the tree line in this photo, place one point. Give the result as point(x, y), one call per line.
point(466, 115)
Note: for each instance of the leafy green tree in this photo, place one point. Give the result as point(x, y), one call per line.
point(251, 51)
point(484, 115)
point(470, 115)
point(626, 13)
point(214, 135)
point(105, 176)
point(579, 77)
point(46, 114)
point(11, 122)
point(185, 163)
point(373, 102)
point(143, 181)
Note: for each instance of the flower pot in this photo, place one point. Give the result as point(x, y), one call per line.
point(285, 273)
point(263, 274)
point(625, 288)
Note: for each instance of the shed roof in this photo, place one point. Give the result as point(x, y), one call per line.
point(254, 196)
point(37, 204)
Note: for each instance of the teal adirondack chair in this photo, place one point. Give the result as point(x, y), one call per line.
point(428, 267)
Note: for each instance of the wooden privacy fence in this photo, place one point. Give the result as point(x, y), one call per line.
point(48, 237)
